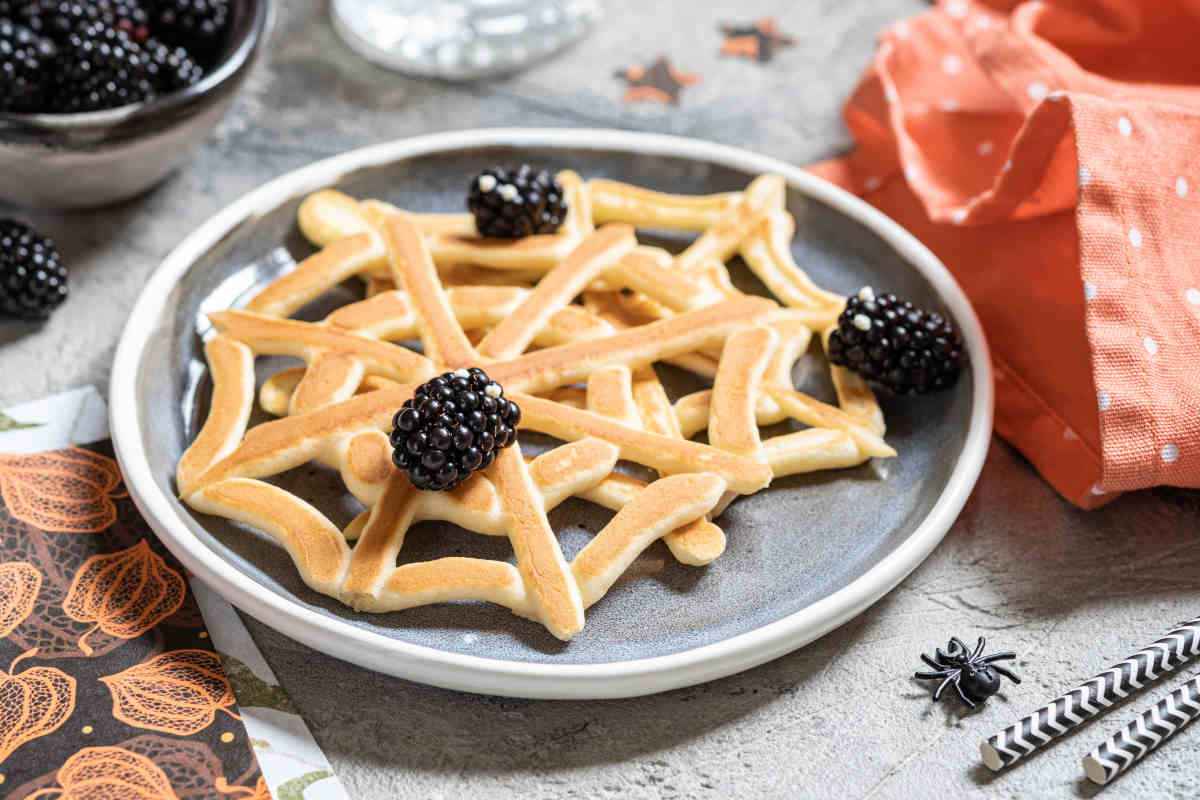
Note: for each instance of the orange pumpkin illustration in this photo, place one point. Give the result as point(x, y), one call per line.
point(58, 558)
point(64, 491)
point(108, 773)
point(32, 703)
point(258, 792)
point(124, 594)
point(20, 582)
point(191, 767)
point(177, 692)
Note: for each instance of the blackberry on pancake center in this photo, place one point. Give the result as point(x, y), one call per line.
point(512, 204)
point(454, 425)
point(895, 345)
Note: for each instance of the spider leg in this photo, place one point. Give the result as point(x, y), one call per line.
point(957, 644)
point(932, 663)
point(1006, 673)
point(979, 647)
point(965, 699)
point(952, 679)
point(997, 657)
point(945, 657)
point(929, 676)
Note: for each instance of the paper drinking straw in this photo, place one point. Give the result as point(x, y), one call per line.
point(1091, 698)
point(1160, 722)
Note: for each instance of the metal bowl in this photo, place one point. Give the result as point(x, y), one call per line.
point(100, 157)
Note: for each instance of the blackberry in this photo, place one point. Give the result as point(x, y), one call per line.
point(170, 68)
point(55, 19)
point(511, 204)
point(33, 282)
point(128, 16)
point(58, 19)
point(453, 426)
point(100, 67)
point(895, 345)
point(25, 60)
point(198, 25)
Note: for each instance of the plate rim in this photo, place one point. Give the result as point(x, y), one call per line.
point(480, 674)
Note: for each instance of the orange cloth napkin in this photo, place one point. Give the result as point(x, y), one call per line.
point(1049, 153)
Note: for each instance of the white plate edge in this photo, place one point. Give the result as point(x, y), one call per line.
point(515, 678)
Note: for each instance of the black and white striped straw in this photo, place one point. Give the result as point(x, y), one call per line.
point(1092, 698)
point(1128, 746)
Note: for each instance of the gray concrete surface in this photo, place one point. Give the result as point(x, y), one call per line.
point(842, 718)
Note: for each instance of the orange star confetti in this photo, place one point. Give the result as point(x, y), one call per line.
point(757, 42)
point(658, 83)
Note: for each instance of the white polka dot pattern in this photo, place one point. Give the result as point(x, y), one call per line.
point(1135, 238)
point(1125, 126)
point(1150, 345)
point(1181, 186)
point(1170, 453)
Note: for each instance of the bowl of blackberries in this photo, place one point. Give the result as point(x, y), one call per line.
point(101, 99)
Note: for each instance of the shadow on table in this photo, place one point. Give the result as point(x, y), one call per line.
point(1051, 561)
point(447, 731)
point(1020, 564)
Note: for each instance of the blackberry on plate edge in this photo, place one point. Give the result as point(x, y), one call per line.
point(512, 204)
point(453, 426)
point(33, 281)
point(895, 345)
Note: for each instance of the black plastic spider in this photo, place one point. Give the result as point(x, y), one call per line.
point(974, 676)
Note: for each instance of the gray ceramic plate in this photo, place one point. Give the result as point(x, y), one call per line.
point(803, 556)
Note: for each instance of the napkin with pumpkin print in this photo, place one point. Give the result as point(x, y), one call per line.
point(110, 685)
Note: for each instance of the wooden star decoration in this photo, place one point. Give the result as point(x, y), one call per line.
point(757, 42)
point(658, 83)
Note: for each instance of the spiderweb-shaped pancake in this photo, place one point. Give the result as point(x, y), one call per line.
point(571, 325)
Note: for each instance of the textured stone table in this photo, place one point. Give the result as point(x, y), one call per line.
point(842, 718)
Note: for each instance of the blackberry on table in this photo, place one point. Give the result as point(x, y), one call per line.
point(511, 204)
point(454, 425)
point(25, 60)
point(33, 281)
point(895, 345)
